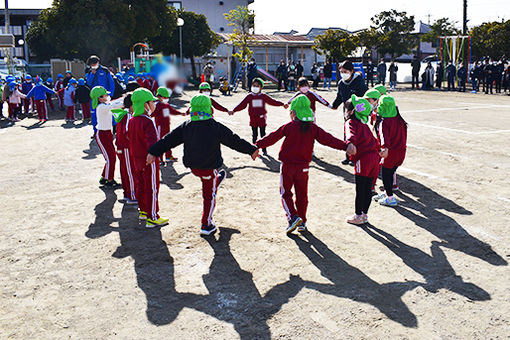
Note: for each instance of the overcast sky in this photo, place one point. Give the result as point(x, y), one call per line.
point(301, 15)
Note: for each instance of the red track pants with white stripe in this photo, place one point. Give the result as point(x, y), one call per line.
point(209, 178)
point(294, 175)
point(162, 131)
point(85, 110)
point(70, 112)
point(42, 111)
point(126, 173)
point(50, 103)
point(104, 140)
point(147, 186)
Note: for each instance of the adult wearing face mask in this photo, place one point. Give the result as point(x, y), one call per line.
point(281, 75)
point(451, 72)
point(381, 72)
point(350, 83)
point(98, 75)
point(251, 71)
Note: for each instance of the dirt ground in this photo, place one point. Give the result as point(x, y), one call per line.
point(74, 263)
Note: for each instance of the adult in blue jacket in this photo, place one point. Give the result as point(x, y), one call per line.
point(98, 76)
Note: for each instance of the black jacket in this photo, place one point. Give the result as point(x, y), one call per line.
point(202, 140)
point(131, 86)
point(82, 94)
point(328, 70)
point(356, 86)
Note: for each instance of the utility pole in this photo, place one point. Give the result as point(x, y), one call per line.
point(428, 21)
point(8, 61)
point(464, 21)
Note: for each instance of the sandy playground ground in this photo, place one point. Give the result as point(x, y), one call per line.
point(74, 263)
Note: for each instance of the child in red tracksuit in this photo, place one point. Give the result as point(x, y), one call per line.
point(142, 134)
point(59, 89)
point(161, 117)
point(366, 159)
point(296, 155)
point(202, 137)
point(304, 88)
point(122, 117)
point(392, 135)
point(205, 89)
point(256, 102)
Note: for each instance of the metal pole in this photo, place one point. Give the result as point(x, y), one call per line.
point(180, 44)
point(464, 21)
point(7, 50)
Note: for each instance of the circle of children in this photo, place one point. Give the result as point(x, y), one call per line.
point(374, 140)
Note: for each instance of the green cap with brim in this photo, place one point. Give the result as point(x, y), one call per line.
point(387, 107)
point(119, 114)
point(362, 108)
point(139, 97)
point(163, 92)
point(259, 80)
point(200, 108)
point(204, 86)
point(95, 93)
point(301, 106)
point(372, 94)
point(381, 89)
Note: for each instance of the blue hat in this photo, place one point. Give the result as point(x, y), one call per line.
point(49, 80)
point(12, 85)
point(73, 81)
point(139, 75)
point(60, 75)
point(10, 78)
point(18, 78)
point(28, 77)
point(81, 81)
point(38, 80)
point(69, 71)
point(118, 74)
point(131, 78)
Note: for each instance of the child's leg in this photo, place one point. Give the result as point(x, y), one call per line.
point(10, 108)
point(254, 134)
point(26, 105)
point(50, 102)
point(210, 181)
point(85, 107)
point(124, 177)
point(151, 189)
point(359, 202)
point(262, 134)
point(301, 187)
point(368, 196)
point(44, 110)
point(286, 184)
point(105, 141)
point(395, 184)
point(139, 165)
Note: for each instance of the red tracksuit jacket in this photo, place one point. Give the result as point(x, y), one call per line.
point(297, 148)
point(363, 139)
point(142, 133)
point(162, 114)
point(215, 105)
point(121, 139)
point(314, 98)
point(392, 134)
point(257, 107)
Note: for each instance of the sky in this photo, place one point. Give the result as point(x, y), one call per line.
point(300, 15)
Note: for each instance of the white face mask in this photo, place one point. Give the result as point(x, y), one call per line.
point(166, 100)
point(345, 76)
point(94, 67)
point(304, 89)
point(148, 109)
point(207, 93)
point(255, 89)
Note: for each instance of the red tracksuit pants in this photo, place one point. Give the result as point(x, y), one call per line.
point(85, 109)
point(162, 131)
point(294, 175)
point(209, 178)
point(104, 140)
point(70, 112)
point(42, 111)
point(126, 173)
point(50, 103)
point(11, 109)
point(27, 103)
point(147, 187)
point(60, 100)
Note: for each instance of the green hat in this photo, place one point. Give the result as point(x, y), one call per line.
point(139, 97)
point(301, 106)
point(95, 93)
point(362, 108)
point(204, 86)
point(381, 89)
point(372, 94)
point(200, 108)
point(259, 80)
point(387, 107)
point(163, 92)
point(119, 114)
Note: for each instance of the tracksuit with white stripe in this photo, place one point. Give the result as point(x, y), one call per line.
point(161, 117)
point(296, 155)
point(104, 136)
point(126, 162)
point(202, 153)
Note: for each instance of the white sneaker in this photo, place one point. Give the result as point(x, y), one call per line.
point(379, 197)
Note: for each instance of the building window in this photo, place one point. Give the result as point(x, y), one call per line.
point(18, 52)
point(222, 29)
point(221, 3)
point(175, 4)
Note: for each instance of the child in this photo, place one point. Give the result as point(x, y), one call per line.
point(142, 134)
point(59, 86)
point(26, 86)
point(40, 92)
point(225, 87)
point(82, 95)
point(296, 155)
point(49, 100)
point(392, 135)
point(372, 96)
point(205, 89)
point(15, 97)
point(256, 102)
point(161, 117)
point(104, 137)
point(69, 99)
point(304, 88)
point(202, 137)
point(127, 166)
point(366, 159)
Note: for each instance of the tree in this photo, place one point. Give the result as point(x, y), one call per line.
point(491, 39)
point(243, 21)
point(336, 44)
point(440, 27)
point(198, 38)
point(392, 31)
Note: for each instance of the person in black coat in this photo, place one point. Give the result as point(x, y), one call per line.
point(328, 74)
point(451, 72)
point(489, 71)
point(251, 72)
point(439, 75)
point(498, 76)
point(416, 65)
point(370, 72)
point(299, 69)
point(462, 77)
point(381, 72)
point(281, 75)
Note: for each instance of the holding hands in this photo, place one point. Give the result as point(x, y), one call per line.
point(351, 150)
point(383, 153)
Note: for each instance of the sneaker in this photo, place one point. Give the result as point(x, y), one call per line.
point(389, 202)
point(142, 215)
point(395, 188)
point(373, 193)
point(123, 200)
point(131, 202)
point(294, 222)
point(351, 163)
point(172, 159)
point(355, 219)
point(345, 161)
point(221, 176)
point(208, 229)
point(379, 197)
point(162, 163)
point(102, 181)
point(364, 217)
point(160, 222)
point(112, 184)
point(264, 151)
point(302, 228)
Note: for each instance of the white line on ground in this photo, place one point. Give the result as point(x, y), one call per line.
point(460, 108)
point(504, 199)
point(459, 130)
point(419, 173)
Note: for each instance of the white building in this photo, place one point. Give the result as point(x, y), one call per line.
point(212, 9)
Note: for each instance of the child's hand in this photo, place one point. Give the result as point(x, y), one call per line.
point(184, 114)
point(330, 106)
point(255, 155)
point(286, 106)
point(383, 153)
point(351, 149)
point(230, 113)
point(150, 159)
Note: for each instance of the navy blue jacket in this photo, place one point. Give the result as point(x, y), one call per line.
point(356, 86)
point(103, 78)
